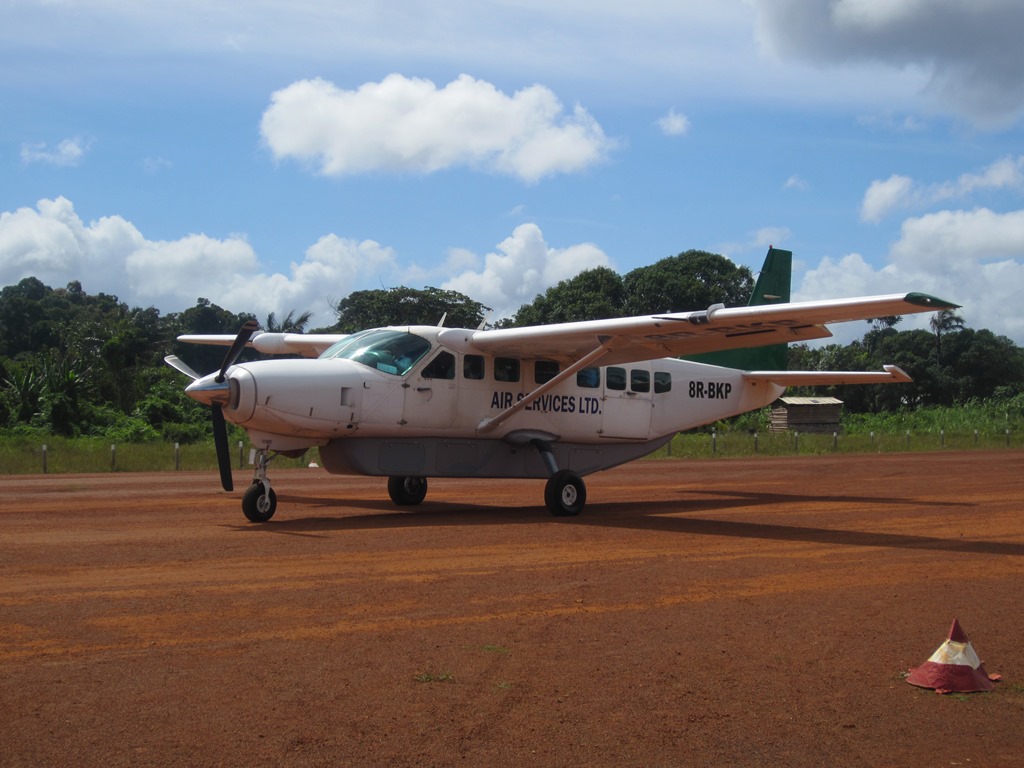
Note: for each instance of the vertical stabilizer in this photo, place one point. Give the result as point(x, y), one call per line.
point(772, 287)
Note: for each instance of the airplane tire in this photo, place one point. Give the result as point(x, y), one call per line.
point(407, 491)
point(565, 493)
point(257, 506)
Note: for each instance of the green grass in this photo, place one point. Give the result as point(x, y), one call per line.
point(985, 425)
point(20, 456)
point(978, 425)
point(733, 444)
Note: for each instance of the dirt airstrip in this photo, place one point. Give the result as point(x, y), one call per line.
point(704, 613)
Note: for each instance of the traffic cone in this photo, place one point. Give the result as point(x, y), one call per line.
point(954, 667)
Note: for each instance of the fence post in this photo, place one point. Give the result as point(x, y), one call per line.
point(1007, 438)
point(177, 457)
point(44, 459)
point(113, 457)
point(908, 438)
point(714, 442)
point(796, 442)
point(942, 438)
point(755, 442)
point(975, 438)
point(835, 441)
point(241, 458)
point(872, 439)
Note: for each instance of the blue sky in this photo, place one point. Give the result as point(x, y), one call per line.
point(277, 155)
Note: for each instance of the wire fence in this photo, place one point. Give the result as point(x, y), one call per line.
point(725, 444)
point(80, 456)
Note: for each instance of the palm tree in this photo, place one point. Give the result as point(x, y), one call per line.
point(945, 321)
point(290, 324)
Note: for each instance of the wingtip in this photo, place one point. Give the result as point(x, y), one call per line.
point(897, 373)
point(932, 302)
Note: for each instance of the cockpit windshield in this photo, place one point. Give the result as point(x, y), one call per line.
point(390, 351)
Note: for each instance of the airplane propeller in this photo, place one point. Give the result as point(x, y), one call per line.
point(220, 429)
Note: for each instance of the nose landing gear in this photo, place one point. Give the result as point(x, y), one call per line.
point(259, 502)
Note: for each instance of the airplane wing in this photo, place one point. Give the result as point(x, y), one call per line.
point(633, 339)
point(305, 344)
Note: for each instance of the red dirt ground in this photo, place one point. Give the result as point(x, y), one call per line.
point(702, 613)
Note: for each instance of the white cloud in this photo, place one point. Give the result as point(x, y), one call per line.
point(973, 258)
point(970, 50)
point(891, 122)
point(524, 266)
point(674, 124)
point(410, 125)
point(1007, 173)
point(603, 42)
point(110, 255)
point(883, 196)
point(796, 182)
point(901, 192)
point(67, 153)
point(153, 165)
point(757, 241)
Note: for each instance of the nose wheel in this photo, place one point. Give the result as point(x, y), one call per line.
point(259, 502)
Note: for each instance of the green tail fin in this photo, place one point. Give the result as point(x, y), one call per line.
point(772, 287)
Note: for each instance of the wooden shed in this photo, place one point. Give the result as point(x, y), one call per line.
point(807, 414)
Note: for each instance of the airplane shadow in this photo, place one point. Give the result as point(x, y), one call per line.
point(662, 516)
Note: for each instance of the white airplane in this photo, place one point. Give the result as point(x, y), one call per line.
point(552, 401)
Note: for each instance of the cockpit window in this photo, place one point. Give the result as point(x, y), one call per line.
point(390, 351)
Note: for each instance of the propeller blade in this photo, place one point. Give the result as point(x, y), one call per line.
point(244, 334)
point(181, 365)
point(220, 441)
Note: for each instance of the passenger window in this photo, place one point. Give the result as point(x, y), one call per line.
point(544, 370)
point(615, 378)
point(589, 378)
point(639, 380)
point(662, 382)
point(506, 369)
point(441, 367)
point(473, 367)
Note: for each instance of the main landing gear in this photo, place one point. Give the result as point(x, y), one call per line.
point(407, 491)
point(565, 493)
point(259, 502)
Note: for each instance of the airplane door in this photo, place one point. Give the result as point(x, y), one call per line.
point(380, 403)
point(431, 396)
point(626, 412)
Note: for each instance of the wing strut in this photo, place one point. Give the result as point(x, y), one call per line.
point(488, 425)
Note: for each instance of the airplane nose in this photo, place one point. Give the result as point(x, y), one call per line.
point(208, 390)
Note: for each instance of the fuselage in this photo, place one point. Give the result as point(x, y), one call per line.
point(382, 394)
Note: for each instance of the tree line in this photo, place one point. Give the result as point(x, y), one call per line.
point(78, 364)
